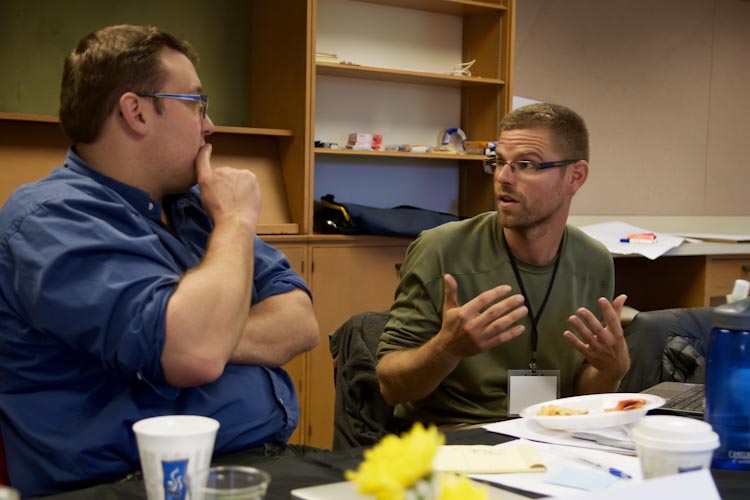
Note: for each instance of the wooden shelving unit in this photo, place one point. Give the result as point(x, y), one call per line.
point(486, 37)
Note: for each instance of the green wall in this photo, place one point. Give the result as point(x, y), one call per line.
point(37, 35)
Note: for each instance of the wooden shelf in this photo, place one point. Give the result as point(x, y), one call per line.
point(27, 117)
point(283, 228)
point(452, 7)
point(403, 76)
point(221, 129)
point(397, 154)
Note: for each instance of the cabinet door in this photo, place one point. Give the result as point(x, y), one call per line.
point(346, 280)
point(297, 255)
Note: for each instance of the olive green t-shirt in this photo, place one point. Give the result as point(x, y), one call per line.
point(472, 251)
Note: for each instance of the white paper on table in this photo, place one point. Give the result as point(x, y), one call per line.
point(696, 484)
point(557, 458)
point(528, 429)
point(609, 233)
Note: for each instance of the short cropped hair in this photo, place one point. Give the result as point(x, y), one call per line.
point(567, 127)
point(104, 65)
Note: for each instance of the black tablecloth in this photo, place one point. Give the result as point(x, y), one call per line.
point(322, 467)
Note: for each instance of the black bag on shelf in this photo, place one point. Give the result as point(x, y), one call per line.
point(332, 217)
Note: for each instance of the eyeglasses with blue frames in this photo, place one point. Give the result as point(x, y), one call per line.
point(524, 167)
point(201, 98)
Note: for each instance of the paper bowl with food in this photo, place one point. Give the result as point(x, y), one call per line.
point(593, 411)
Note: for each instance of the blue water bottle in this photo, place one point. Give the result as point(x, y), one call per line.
point(728, 384)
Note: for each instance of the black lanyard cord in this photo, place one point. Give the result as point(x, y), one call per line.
point(534, 319)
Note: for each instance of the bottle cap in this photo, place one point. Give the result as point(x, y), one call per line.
point(734, 316)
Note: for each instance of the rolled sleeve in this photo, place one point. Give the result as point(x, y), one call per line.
point(273, 274)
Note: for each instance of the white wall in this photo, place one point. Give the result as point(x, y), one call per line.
point(665, 88)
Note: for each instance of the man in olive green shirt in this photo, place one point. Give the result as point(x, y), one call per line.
point(470, 289)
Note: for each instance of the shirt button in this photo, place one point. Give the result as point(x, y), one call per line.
point(150, 205)
point(139, 376)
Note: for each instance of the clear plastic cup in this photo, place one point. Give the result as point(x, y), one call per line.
point(230, 482)
point(171, 448)
point(671, 445)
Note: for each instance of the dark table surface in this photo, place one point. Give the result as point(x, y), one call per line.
point(291, 472)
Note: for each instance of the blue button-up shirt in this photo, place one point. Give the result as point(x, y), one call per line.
point(86, 271)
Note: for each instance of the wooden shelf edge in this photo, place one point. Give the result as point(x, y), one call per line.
point(221, 129)
point(224, 129)
point(397, 154)
point(454, 7)
point(281, 228)
point(403, 76)
point(28, 117)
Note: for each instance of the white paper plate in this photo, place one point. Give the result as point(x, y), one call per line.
point(596, 418)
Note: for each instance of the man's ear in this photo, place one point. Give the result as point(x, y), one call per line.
point(134, 115)
point(579, 172)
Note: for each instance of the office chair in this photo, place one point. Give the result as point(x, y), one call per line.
point(361, 415)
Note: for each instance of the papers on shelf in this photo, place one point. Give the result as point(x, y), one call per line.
point(610, 234)
point(716, 237)
point(487, 459)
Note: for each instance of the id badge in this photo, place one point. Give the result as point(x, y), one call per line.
point(526, 388)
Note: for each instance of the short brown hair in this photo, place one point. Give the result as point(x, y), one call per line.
point(104, 65)
point(567, 127)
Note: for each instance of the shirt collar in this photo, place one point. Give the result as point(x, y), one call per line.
point(137, 198)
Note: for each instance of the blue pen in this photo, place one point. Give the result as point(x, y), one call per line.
point(610, 470)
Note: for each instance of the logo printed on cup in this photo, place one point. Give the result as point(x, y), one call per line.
point(174, 479)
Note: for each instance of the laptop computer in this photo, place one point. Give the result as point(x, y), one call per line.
point(682, 398)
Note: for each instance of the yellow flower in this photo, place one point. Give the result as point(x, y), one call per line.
point(396, 463)
point(453, 487)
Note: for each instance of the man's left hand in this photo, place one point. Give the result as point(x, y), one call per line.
point(603, 346)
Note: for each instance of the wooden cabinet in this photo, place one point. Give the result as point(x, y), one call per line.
point(679, 280)
point(347, 278)
point(297, 367)
point(721, 273)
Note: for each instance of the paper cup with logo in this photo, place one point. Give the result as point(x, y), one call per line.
point(172, 447)
point(671, 445)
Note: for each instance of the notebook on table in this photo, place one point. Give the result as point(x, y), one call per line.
point(682, 398)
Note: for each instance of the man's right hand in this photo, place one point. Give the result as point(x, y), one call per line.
point(228, 192)
point(478, 326)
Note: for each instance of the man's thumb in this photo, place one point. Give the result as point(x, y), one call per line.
point(451, 292)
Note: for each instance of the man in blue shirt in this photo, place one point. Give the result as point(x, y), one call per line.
point(126, 291)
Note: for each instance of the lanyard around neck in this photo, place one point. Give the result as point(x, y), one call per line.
point(534, 318)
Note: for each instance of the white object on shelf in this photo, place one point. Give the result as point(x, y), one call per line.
point(740, 291)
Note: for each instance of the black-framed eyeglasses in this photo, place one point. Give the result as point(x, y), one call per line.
point(523, 167)
point(201, 98)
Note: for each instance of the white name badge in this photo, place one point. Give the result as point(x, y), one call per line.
point(526, 388)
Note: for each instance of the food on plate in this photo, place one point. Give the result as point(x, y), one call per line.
point(554, 410)
point(627, 404)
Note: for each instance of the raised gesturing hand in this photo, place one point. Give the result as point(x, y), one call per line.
point(482, 323)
